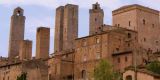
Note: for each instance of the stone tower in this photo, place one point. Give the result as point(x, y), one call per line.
point(70, 24)
point(58, 40)
point(66, 28)
point(17, 27)
point(25, 52)
point(42, 43)
point(96, 19)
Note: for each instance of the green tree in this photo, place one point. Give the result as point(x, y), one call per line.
point(104, 71)
point(23, 76)
point(154, 67)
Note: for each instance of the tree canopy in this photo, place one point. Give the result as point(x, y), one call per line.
point(154, 67)
point(23, 76)
point(104, 71)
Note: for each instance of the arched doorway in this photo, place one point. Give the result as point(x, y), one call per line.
point(84, 75)
point(129, 77)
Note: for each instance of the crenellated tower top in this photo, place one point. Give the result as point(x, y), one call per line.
point(18, 11)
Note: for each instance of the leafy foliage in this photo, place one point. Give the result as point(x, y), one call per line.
point(23, 76)
point(104, 71)
point(154, 67)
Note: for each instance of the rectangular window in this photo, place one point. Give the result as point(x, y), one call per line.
point(118, 25)
point(144, 39)
point(152, 25)
point(129, 35)
point(144, 22)
point(97, 40)
point(126, 59)
point(129, 23)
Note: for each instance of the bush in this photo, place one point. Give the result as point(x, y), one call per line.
point(154, 67)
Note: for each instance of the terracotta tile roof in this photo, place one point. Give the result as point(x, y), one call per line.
point(143, 69)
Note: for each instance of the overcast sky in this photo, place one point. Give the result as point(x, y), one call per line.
point(42, 13)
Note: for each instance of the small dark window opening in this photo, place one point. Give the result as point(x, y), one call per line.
point(18, 12)
point(129, 23)
point(126, 59)
point(152, 25)
point(118, 25)
point(69, 77)
point(144, 39)
point(83, 74)
point(156, 42)
point(129, 35)
point(95, 19)
point(8, 67)
point(128, 45)
point(96, 7)
point(144, 22)
point(117, 49)
point(118, 60)
point(67, 55)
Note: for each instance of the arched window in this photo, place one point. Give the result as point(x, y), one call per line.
point(129, 77)
point(18, 12)
point(83, 74)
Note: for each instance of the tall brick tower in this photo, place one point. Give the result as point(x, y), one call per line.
point(96, 19)
point(42, 43)
point(17, 27)
point(58, 40)
point(70, 30)
point(66, 28)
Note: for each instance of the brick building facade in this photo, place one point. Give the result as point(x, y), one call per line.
point(125, 43)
